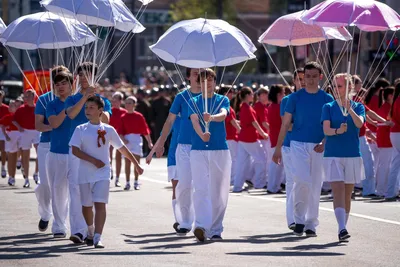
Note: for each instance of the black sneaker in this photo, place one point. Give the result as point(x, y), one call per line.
point(200, 234)
point(299, 229)
point(77, 238)
point(59, 235)
point(182, 231)
point(216, 238)
point(89, 242)
point(292, 226)
point(310, 233)
point(344, 236)
point(176, 226)
point(43, 225)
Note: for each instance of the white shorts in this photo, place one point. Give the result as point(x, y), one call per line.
point(172, 173)
point(2, 137)
point(12, 146)
point(94, 192)
point(347, 170)
point(29, 138)
point(135, 144)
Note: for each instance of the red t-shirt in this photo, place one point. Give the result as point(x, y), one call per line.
point(383, 132)
point(25, 116)
point(231, 133)
point(134, 123)
point(4, 110)
point(396, 116)
point(275, 122)
point(374, 106)
point(262, 114)
point(7, 122)
point(248, 133)
point(115, 119)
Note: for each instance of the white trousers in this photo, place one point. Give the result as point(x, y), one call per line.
point(76, 219)
point(42, 191)
point(233, 147)
point(393, 187)
point(307, 177)
point(375, 154)
point(369, 183)
point(183, 191)
point(266, 144)
point(245, 151)
point(275, 175)
point(211, 171)
point(382, 172)
point(57, 171)
point(288, 166)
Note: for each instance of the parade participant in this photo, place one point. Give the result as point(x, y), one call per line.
point(232, 128)
point(3, 111)
point(57, 157)
point(343, 164)
point(298, 80)
point(393, 186)
point(304, 109)
point(24, 120)
point(12, 137)
point(383, 142)
point(91, 144)
point(275, 171)
point(249, 144)
point(133, 126)
point(115, 121)
point(75, 108)
point(42, 191)
point(184, 207)
point(210, 160)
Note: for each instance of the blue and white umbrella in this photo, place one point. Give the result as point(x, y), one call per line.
point(45, 30)
point(2, 26)
point(204, 43)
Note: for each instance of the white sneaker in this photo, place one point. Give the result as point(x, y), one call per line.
point(27, 184)
point(36, 178)
point(136, 186)
point(11, 181)
point(19, 164)
point(3, 173)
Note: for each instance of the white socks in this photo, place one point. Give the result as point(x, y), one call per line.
point(97, 238)
point(340, 214)
point(91, 231)
point(173, 208)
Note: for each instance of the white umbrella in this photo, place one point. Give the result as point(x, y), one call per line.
point(45, 30)
point(106, 13)
point(146, 2)
point(2, 26)
point(204, 43)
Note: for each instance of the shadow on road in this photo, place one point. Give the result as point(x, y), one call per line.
point(285, 254)
point(129, 253)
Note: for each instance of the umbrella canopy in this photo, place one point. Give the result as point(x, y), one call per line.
point(47, 31)
point(2, 26)
point(204, 43)
point(367, 15)
point(106, 13)
point(339, 33)
point(146, 2)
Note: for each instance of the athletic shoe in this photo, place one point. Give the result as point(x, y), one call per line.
point(77, 238)
point(27, 184)
point(59, 235)
point(19, 165)
point(11, 181)
point(176, 226)
point(344, 236)
point(43, 225)
point(310, 233)
point(216, 238)
point(200, 234)
point(117, 183)
point(182, 231)
point(136, 186)
point(127, 187)
point(299, 229)
point(98, 244)
point(3, 173)
point(36, 178)
point(292, 226)
point(89, 242)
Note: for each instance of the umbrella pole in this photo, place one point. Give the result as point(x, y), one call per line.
point(94, 55)
point(206, 101)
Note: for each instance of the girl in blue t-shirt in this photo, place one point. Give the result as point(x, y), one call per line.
point(343, 164)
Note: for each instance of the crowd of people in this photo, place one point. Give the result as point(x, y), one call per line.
point(296, 140)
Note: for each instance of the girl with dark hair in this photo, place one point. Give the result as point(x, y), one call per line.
point(249, 143)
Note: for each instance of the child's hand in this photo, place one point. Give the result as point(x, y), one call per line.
point(207, 117)
point(149, 157)
point(150, 146)
point(342, 129)
point(99, 164)
point(206, 137)
point(139, 170)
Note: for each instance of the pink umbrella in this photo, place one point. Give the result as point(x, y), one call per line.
point(367, 15)
point(290, 30)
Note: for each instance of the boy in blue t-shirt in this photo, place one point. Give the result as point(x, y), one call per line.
point(210, 160)
point(304, 109)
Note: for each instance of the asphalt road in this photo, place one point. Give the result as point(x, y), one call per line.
point(139, 232)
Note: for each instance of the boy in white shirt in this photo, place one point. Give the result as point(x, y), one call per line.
point(91, 143)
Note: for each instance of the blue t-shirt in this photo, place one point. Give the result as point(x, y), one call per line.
point(286, 142)
point(81, 117)
point(345, 145)
point(306, 110)
point(180, 106)
point(216, 129)
point(60, 136)
point(171, 161)
point(40, 109)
